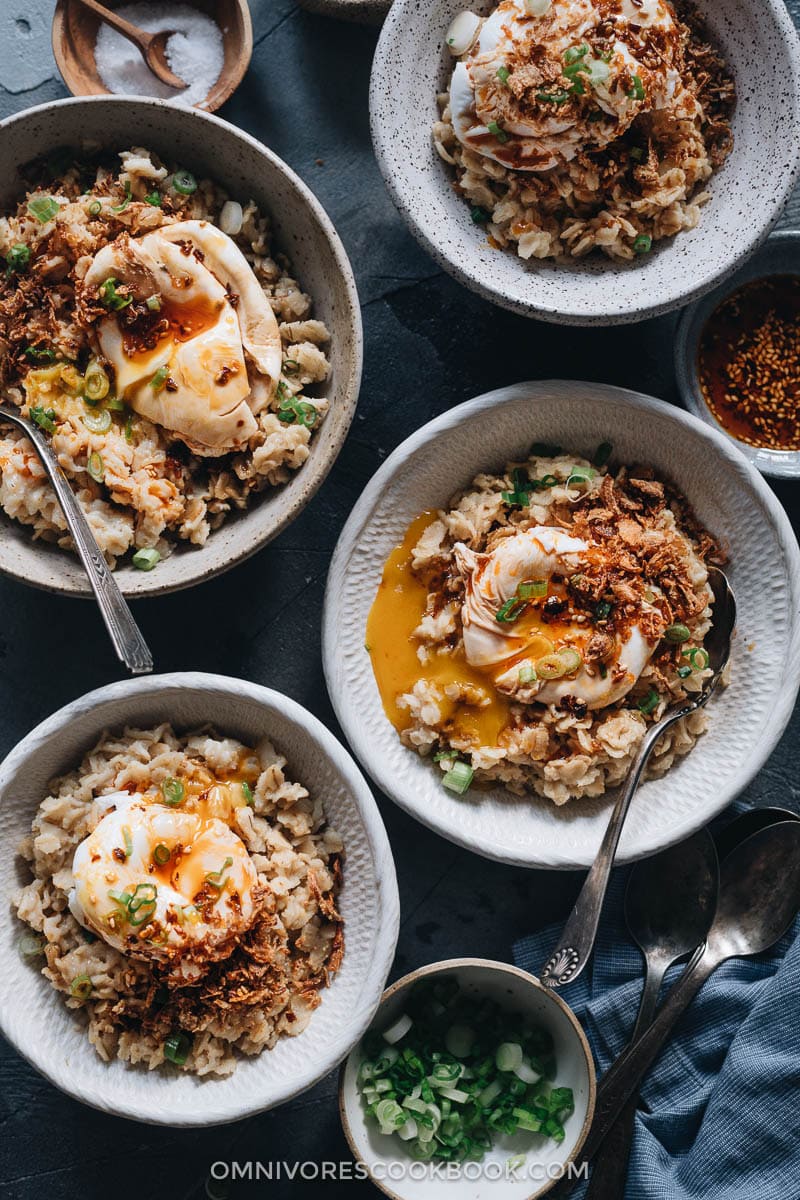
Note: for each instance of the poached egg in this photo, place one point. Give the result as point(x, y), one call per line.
point(526, 656)
point(212, 358)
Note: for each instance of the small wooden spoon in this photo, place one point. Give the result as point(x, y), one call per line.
point(151, 46)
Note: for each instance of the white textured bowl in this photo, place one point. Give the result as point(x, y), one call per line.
point(730, 498)
point(53, 1039)
point(544, 1162)
point(761, 46)
point(302, 231)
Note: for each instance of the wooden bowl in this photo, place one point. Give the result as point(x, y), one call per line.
point(75, 33)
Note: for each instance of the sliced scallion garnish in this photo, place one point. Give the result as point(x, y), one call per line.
point(677, 633)
point(43, 208)
point(650, 703)
point(161, 854)
point(176, 1048)
point(95, 467)
point(97, 422)
point(45, 418)
point(146, 558)
point(458, 778)
point(81, 987)
point(184, 182)
point(173, 792)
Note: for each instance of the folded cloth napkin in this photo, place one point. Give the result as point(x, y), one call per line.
point(719, 1112)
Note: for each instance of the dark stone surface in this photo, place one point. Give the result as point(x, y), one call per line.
point(429, 345)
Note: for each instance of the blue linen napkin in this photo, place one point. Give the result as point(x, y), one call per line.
point(719, 1112)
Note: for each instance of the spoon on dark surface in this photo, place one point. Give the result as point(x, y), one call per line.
point(578, 936)
point(151, 46)
point(669, 905)
point(759, 897)
point(125, 634)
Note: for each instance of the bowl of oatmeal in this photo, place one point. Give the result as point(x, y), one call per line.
point(587, 163)
point(179, 318)
point(199, 890)
point(523, 589)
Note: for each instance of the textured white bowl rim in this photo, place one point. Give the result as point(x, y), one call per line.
point(503, 968)
point(564, 858)
point(386, 912)
point(401, 13)
point(315, 470)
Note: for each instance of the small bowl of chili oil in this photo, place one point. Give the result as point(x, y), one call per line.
point(737, 357)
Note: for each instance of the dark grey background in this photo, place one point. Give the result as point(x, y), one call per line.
point(429, 344)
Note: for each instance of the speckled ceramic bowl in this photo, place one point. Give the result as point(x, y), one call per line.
point(412, 64)
point(303, 231)
point(780, 255)
point(53, 1039)
point(730, 498)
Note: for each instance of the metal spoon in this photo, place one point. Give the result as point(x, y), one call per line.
point(151, 46)
point(759, 897)
point(578, 936)
point(129, 644)
point(748, 823)
point(669, 906)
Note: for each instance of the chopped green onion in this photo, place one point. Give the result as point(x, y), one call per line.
point(575, 52)
point(551, 666)
point(158, 380)
point(677, 633)
point(129, 438)
point(642, 244)
point(17, 258)
point(560, 97)
point(479, 215)
point(527, 673)
point(684, 672)
point(30, 945)
point(81, 987)
point(603, 669)
point(510, 610)
point(458, 778)
point(216, 879)
point(650, 702)
point(459, 1040)
point(531, 588)
point(128, 839)
point(503, 74)
point(637, 88)
point(146, 558)
point(247, 792)
point(602, 454)
point(443, 754)
point(184, 182)
point(498, 131)
point(581, 475)
point(96, 382)
point(114, 404)
point(110, 298)
point(508, 1056)
point(527, 1120)
point(571, 658)
point(294, 411)
point(698, 657)
point(153, 198)
point(153, 303)
point(42, 354)
point(43, 208)
point(602, 610)
point(176, 1048)
point(45, 418)
point(118, 208)
point(95, 208)
point(173, 792)
point(161, 854)
point(97, 422)
point(398, 1029)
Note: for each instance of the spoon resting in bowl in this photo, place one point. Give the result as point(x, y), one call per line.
point(151, 46)
point(577, 939)
point(130, 646)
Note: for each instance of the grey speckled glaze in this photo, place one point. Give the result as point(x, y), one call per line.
point(729, 497)
point(364, 12)
point(761, 46)
point(209, 146)
point(780, 255)
point(53, 1039)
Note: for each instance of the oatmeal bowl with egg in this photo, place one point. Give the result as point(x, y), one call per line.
point(525, 588)
point(587, 162)
point(179, 319)
point(200, 896)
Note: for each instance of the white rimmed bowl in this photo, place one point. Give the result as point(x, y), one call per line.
point(730, 498)
point(53, 1039)
point(412, 64)
point(780, 255)
point(545, 1161)
point(302, 231)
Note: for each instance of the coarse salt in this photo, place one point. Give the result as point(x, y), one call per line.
point(194, 53)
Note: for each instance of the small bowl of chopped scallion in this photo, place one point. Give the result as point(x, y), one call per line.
point(472, 1073)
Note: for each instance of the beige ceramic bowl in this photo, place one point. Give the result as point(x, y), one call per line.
point(399, 1176)
point(303, 232)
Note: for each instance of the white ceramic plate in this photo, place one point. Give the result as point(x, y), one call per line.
point(392, 1170)
point(303, 232)
point(53, 1039)
point(412, 64)
point(730, 498)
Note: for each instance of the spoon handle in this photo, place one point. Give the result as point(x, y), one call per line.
point(611, 1163)
point(134, 34)
point(130, 646)
point(578, 936)
point(620, 1082)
